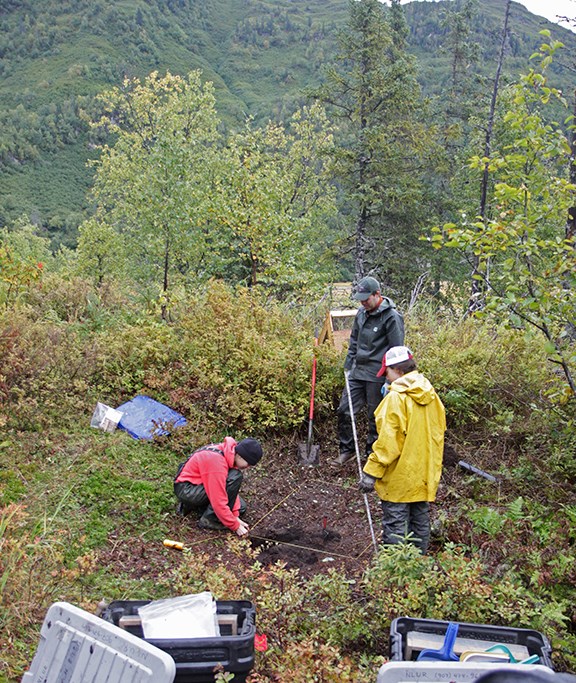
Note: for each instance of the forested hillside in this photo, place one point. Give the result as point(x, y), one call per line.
point(260, 55)
point(429, 41)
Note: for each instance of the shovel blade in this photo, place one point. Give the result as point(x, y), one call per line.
point(308, 454)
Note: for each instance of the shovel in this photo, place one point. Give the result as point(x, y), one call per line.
point(308, 453)
point(446, 652)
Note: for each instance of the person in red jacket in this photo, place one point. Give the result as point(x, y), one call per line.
point(210, 480)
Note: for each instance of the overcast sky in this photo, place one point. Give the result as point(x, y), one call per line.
point(551, 9)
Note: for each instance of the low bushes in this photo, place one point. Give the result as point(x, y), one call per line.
point(234, 362)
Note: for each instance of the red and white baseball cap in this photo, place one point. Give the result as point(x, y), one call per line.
point(394, 355)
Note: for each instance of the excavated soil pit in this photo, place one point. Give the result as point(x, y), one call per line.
point(303, 529)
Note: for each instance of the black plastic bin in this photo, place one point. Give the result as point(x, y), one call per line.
point(196, 657)
point(535, 642)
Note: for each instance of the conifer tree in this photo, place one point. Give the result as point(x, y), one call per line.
point(454, 110)
point(373, 94)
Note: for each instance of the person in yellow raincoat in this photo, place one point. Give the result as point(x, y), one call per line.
point(405, 464)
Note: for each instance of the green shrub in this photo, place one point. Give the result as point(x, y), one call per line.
point(234, 362)
point(487, 519)
point(490, 379)
point(45, 371)
point(246, 359)
point(231, 362)
point(30, 577)
point(452, 586)
point(562, 429)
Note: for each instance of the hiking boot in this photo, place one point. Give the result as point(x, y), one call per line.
point(211, 524)
point(243, 507)
point(183, 509)
point(343, 458)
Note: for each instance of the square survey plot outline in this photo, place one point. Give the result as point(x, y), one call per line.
point(310, 493)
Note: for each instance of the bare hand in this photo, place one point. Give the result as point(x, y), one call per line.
point(243, 529)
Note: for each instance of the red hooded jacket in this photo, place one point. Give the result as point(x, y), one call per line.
point(211, 469)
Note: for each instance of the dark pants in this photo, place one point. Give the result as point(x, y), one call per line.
point(194, 496)
point(401, 519)
point(367, 394)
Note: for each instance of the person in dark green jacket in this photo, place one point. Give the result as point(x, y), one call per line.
point(377, 327)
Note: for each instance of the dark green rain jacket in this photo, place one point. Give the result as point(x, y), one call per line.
point(372, 335)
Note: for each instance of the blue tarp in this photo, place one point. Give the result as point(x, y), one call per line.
point(145, 418)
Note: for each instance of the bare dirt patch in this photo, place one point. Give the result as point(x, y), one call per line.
point(319, 522)
point(312, 518)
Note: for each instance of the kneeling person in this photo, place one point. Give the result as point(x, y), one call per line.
point(405, 464)
point(210, 480)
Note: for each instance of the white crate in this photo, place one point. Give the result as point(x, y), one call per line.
point(78, 646)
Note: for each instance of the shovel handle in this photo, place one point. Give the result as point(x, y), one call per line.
point(313, 389)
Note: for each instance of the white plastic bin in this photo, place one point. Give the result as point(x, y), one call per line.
point(78, 646)
point(448, 672)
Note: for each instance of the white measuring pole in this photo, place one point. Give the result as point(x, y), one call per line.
point(353, 420)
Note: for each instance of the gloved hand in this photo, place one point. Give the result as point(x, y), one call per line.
point(366, 483)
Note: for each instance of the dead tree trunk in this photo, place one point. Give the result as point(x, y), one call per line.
point(480, 266)
point(571, 221)
point(362, 220)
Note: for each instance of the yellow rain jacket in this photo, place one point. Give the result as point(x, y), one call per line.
point(406, 459)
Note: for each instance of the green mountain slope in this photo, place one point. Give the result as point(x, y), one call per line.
point(55, 55)
point(428, 38)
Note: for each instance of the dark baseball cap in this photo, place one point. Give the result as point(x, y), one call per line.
point(366, 287)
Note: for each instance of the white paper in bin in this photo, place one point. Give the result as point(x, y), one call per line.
point(462, 672)
point(186, 616)
point(105, 417)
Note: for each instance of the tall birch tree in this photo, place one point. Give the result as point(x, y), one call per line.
point(151, 183)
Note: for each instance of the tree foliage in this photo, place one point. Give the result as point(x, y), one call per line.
point(100, 251)
point(177, 203)
point(23, 256)
point(149, 184)
point(532, 275)
point(273, 201)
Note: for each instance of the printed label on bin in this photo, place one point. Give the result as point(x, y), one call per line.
point(196, 654)
point(448, 672)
